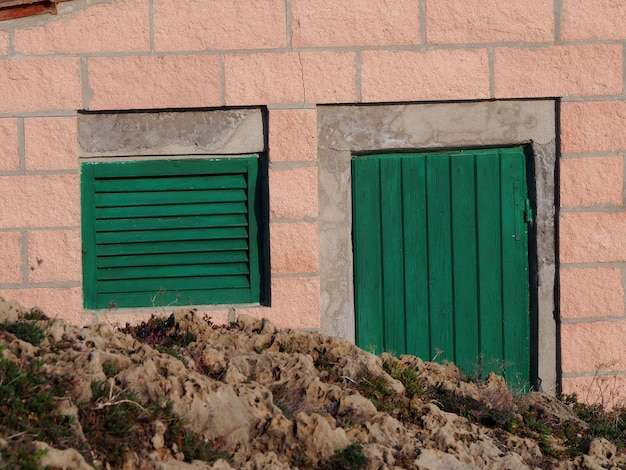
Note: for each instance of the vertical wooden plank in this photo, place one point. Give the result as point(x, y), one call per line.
point(440, 257)
point(489, 260)
point(515, 295)
point(415, 256)
point(464, 260)
point(367, 253)
point(393, 253)
point(88, 233)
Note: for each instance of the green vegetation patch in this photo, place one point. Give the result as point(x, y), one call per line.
point(28, 412)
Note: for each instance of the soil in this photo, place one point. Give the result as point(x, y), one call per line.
point(251, 396)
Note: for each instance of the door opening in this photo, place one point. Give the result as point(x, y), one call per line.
point(441, 265)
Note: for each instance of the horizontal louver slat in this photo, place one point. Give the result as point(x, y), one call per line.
point(165, 223)
point(171, 210)
point(170, 183)
point(168, 235)
point(159, 168)
point(172, 247)
point(153, 272)
point(172, 284)
point(169, 259)
point(156, 198)
point(221, 295)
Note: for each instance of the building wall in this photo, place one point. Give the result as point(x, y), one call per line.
point(291, 56)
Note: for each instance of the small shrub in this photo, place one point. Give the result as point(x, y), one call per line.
point(115, 422)
point(25, 330)
point(609, 424)
point(349, 458)
point(301, 462)
point(21, 454)
point(28, 403)
point(160, 331)
point(376, 388)
point(110, 368)
point(412, 384)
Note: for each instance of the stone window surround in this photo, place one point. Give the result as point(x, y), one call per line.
point(344, 132)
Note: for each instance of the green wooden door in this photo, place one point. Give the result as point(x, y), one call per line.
point(441, 258)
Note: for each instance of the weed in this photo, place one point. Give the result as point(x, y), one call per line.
point(35, 313)
point(193, 446)
point(28, 401)
point(116, 421)
point(301, 462)
point(110, 368)
point(609, 424)
point(475, 410)
point(412, 384)
point(25, 330)
point(21, 454)
point(162, 334)
point(604, 389)
point(349, 458)
point(376, 388)
point(323, 363)
point(172, 352)
point(349, 423)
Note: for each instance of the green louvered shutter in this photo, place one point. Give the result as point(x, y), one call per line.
point(170, 232)
point(441, 257)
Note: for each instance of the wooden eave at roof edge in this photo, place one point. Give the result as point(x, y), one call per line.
point(12, 9)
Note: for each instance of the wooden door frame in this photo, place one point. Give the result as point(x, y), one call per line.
point(348, 131)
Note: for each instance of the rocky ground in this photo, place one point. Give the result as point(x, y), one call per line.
point(181, 392)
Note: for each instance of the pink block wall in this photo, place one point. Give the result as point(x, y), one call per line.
point(291, 56)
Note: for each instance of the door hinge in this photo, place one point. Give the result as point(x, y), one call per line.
point(528, 212)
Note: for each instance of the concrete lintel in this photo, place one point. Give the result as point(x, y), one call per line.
point(234, 131)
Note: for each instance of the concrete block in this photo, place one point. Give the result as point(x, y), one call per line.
point(54, 256)
point(293, 135)
point(329, 23)
point(489, 21)
point(265, 78)
point(121, 26)
point(591, 292)
point(420, 76)
point(219, 24)
point(329, 77)
point(50, 143)
point(136, 82)
point(4, 43)
point(592, 181)
point(594, 126)
point(39, 201)
point(65, 303)
point(293, 193)
point(593, 237)
point(589, 347)
point(11, 258)
point(40, 84)
point(294, 248)
point(593, 19)
point(9, 147)
point(605, 388)
point(295, 303)
point(594, 69)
